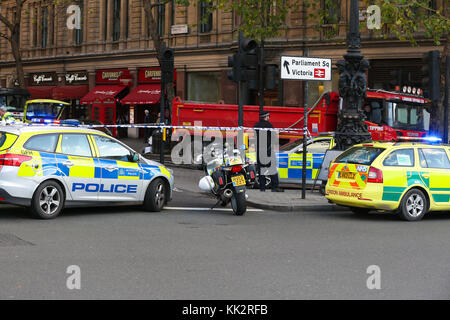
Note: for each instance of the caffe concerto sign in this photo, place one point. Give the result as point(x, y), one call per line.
point(43, 79)
point(76, 77)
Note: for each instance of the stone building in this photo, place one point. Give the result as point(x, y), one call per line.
point(113, 48)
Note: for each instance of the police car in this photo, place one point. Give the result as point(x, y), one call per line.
point(48, 168)
point(408, 178)
point(290, 159)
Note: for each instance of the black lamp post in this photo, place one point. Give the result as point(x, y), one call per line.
point(351, 128)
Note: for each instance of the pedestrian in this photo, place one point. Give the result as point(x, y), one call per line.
point(147, 131)
point(264, 143)
point(5, 115)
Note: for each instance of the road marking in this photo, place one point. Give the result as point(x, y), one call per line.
point(208, 209)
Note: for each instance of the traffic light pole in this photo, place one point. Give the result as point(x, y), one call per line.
point(261, 78)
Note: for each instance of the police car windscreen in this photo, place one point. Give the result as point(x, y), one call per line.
point(6, 140)
point(359, 155)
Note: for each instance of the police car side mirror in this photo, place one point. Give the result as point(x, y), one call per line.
point(135, 157)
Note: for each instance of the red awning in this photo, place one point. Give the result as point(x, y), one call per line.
point(144, 94)
point(41, 92)
point(102, 93)
point(70, 92)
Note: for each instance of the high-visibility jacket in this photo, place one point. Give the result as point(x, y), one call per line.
point(7, 116)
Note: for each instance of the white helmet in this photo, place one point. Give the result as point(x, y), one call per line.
point(206, 183)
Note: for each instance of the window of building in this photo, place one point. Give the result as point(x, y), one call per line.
point(332, 11)
point(204, 86)
point(79, 32)
point(35, 27)
point(116, 20)
point(106, 19)
point(44, 27)
point(161, 18)
point(206, 17)
point(127, 17)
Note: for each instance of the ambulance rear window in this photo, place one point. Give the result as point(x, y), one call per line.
point(359, 155)
point(7, 140)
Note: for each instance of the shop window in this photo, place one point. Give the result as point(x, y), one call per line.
point(206, 17)
point(204, 86)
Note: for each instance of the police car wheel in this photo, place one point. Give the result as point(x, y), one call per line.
point(48, 200)
point(414, 205)
point(155, 198)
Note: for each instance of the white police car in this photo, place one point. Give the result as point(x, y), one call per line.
point(48, 168)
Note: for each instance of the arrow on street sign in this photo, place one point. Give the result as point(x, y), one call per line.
point(286, 65)
point(305, 68)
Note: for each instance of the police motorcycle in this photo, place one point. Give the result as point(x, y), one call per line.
point(226, 179)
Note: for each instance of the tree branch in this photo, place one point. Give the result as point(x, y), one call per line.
point(6, 22)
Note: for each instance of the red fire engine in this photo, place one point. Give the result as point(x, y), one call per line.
point(389, 115)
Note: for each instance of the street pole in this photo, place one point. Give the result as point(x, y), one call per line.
point(162, 107)
point(351, 128)
point(305, 129)
point(261, 78)
point(446, 97)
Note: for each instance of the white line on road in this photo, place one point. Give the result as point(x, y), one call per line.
point(208, 209)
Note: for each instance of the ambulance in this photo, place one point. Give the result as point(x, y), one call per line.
point(50, 167)
point(407, 178)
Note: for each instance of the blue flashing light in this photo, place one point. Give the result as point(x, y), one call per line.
point(72, 122)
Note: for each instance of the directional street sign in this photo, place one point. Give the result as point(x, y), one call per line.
point(302, 68)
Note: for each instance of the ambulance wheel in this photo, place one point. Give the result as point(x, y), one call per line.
point(156, 195)
point(413, 206)
point(47, 201)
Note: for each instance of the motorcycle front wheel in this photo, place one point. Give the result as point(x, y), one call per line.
point(239, 203)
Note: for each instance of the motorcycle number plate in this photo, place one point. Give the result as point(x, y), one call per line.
point(238, 181)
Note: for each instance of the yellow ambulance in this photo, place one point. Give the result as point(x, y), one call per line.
point(408, 178)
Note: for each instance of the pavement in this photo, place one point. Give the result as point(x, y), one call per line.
point(187, 178)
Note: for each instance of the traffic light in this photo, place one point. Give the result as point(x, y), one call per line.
point(248, 48)
point(431, 75)
point(167, 64)
point(235, 62)
point(271, 78)
point(244, 63)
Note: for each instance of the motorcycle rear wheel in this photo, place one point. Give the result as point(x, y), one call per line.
point(239, 203)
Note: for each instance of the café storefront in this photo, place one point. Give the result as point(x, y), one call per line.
point(104, 99)
point(146, 96)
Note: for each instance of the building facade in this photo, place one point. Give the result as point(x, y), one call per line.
point(114, 37)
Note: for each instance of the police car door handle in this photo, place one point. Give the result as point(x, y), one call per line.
point(68, 163)
point(110, 168)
